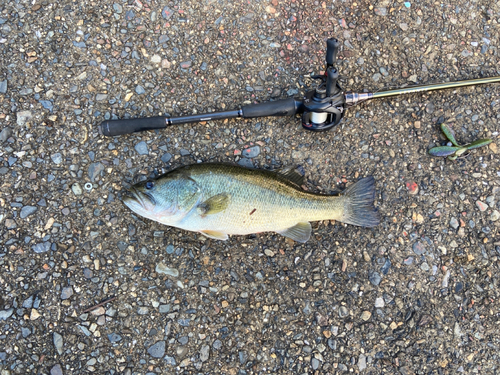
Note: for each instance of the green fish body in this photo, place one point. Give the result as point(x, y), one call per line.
point(220, 200)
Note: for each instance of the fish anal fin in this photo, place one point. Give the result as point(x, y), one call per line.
point(214, 234)
point(292, 174)
point(300, 232)
point(214, 204)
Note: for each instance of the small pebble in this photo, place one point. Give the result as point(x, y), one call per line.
point(164, 309)
point(56, 158)
point(170, 361)
point(142, 148)
point(28, 303)
point(366, 315)
point(129, 15)
point(56, 370)
point(140, 90)
point(217, 344)
point(143, 310)
point(412, 187)
point(41, 247)
point(204, 353)
point(114, 337)
point(408, 261)
point(162, 268)
point(77, 189)
point(362, 362)
point(269, 253)
point(385, 268)
point(58, 342)
point(166, 157)
point(167, 13)
point(34, 315)
point(315, 363)
point(251, 152)
point(419, 248)
point(3, 87)
point(157, 350)
point(482, 206)
point(5, 134)
point(379, 302)
point(27, 211)
point(95, 170)
point(374, 277)
point(117, 8)
point(454, 223)
point(23, 117)
point(67, 292)
point(446, 277)
point(343, 312)
point(98, 311)
point(6, 314)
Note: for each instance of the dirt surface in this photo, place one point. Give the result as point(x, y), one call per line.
point(419, 294)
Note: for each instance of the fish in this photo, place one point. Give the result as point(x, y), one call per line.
point(219, 200)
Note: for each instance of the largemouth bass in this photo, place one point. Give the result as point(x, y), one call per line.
point(218, 200)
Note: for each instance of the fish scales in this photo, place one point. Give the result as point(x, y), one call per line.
point(261, 201)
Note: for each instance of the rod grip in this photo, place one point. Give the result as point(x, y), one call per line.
point(332, 47)
point(283, 107)
point(127, 126)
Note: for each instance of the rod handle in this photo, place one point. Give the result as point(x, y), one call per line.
point(332, 47)
point(127, 126)
point(284, 107)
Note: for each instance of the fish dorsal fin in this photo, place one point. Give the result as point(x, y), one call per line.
point(214, 204)
point(292, 174)
point(214, 234)
point(300, 232)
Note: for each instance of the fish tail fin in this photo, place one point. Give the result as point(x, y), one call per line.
point(359, 209)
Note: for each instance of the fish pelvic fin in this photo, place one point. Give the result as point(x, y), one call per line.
point(300, 232)
point(358, 208)
point(215, 235)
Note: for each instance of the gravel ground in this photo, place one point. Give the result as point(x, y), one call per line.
point(416, 295)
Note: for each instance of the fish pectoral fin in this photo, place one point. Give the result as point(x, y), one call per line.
point(215, 235)
point(300, 232)
point(214, 204)
point(292, 174)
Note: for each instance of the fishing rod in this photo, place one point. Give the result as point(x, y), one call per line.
point(322, 108)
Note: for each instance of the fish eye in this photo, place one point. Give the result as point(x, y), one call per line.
point(149, 185)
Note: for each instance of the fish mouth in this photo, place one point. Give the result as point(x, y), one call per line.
point(134, 196)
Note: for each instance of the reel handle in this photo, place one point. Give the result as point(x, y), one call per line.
point(332, 47)
point(331, 81)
